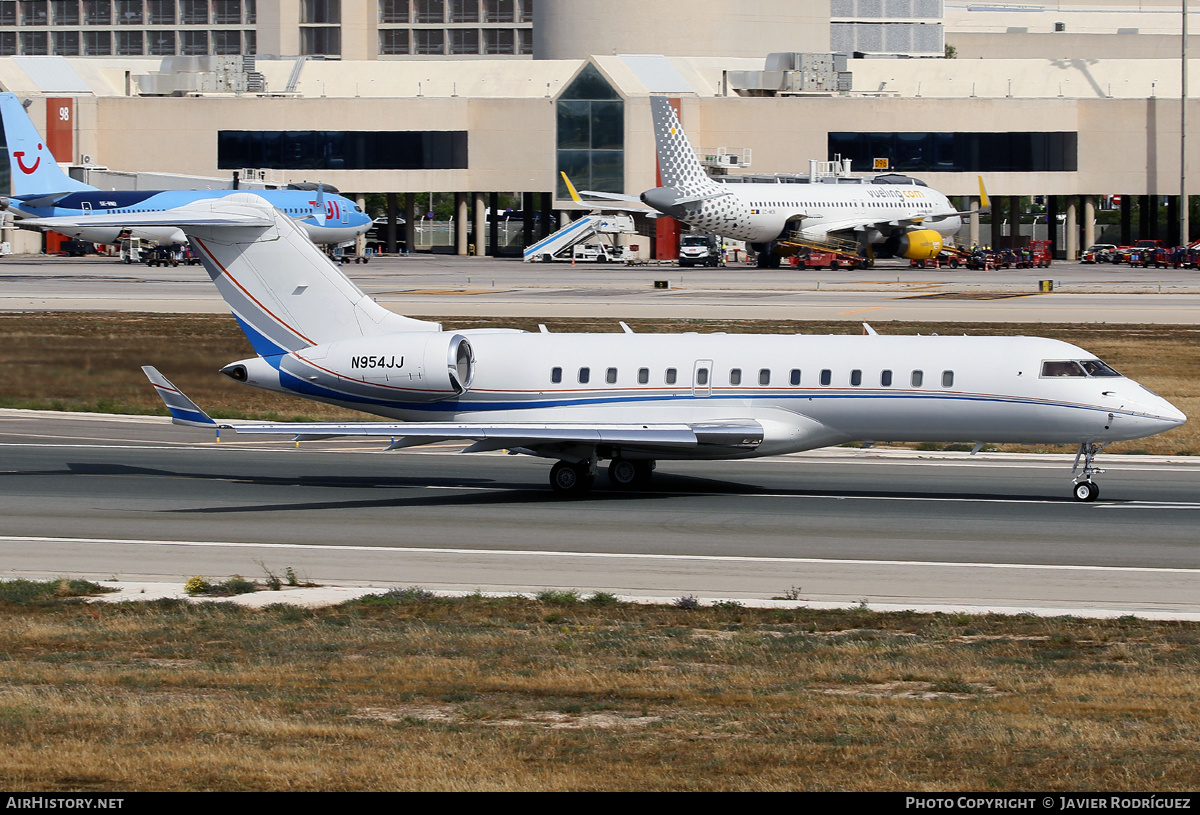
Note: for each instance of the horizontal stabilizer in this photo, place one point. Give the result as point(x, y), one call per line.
point(183, 410)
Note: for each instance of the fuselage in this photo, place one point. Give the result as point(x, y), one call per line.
point(761, 213)
point(328, 219)
point(806, 391)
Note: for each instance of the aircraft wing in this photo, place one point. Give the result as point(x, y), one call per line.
point(744, 434)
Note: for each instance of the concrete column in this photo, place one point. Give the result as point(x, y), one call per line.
point(479, 233)
point(1052, 223)
point(1089, 220)
point(528, 237)
point(360, 242)
point(393, 213)
point(460, 223)
point(974, 222)
point(410, 222)
point(1072, 231)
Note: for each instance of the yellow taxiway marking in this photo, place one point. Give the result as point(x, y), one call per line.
point(861, 310)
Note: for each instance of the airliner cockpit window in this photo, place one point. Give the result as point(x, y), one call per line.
point(1062, 368)
point(1095, 367)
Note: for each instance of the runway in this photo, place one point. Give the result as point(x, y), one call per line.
point(138, 498)
point(441, 285)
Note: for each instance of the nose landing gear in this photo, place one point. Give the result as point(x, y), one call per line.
point(1085, 489)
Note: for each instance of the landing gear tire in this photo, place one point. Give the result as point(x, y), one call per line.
point(570, 480)
point(1085, 491)
point(623, 473)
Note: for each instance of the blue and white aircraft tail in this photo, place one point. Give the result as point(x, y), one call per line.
point(34, 172)
point(631, 399)
point(40, 190)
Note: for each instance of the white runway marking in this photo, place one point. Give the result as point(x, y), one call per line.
point(595, 555)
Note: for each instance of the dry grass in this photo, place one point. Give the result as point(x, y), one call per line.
point(92, 361)
point(511, 694)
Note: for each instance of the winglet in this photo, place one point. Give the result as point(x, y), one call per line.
point(571, 189)
point(183, 410)
point(985, 204)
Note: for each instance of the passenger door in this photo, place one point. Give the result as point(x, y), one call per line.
point(702, 378)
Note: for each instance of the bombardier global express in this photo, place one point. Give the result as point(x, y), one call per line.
point(630, 399)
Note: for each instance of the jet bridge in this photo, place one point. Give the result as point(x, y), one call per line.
point(559, 245)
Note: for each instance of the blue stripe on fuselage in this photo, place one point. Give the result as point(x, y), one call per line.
point(454, 406)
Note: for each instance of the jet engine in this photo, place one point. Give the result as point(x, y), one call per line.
point(920, 244)
point(424, 366)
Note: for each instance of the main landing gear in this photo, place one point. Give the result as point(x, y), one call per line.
point(571, 479)
point(1085, 489)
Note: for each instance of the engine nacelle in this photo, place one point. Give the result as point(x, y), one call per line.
point(425, 366)
point(920, 244)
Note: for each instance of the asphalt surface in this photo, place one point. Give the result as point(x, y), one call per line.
point(439, 285)
point(140, 499)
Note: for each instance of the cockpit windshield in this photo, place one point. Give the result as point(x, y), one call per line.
point(1073, 368)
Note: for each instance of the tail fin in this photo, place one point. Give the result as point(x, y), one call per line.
point(284, 292)
point(985, 203)
point(32, 167)
point(677, 160)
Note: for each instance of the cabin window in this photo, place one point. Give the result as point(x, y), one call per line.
point(1095, 367)
point(1056, 368)
point(585, 375)
point(702, 377)
point(735, 377)
point(918, 378)
point(856, 377)
point(556, 375)
point(826, 376)
point(947, 379)
point(643, 376)
point(764, 376)
point(885, 379)
point(671, 376)
point(610, 376)
point(795, 378)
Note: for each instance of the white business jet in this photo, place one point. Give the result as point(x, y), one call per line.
point(901, 215)
point(630, 399)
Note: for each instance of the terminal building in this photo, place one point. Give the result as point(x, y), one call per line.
point(482, 100)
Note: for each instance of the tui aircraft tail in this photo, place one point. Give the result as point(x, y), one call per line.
point(35, 173)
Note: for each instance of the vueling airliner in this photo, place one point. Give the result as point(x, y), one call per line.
point(901, 215)
point(629, 399)
point(40, 189)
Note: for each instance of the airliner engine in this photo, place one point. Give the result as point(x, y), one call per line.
point(424, 366)
point(920, 244)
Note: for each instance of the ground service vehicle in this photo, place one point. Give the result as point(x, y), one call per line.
point(699, 249)
point(1039, 254)
point(1098, 253)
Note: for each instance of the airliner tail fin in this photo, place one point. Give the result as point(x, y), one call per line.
point(32, 166)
